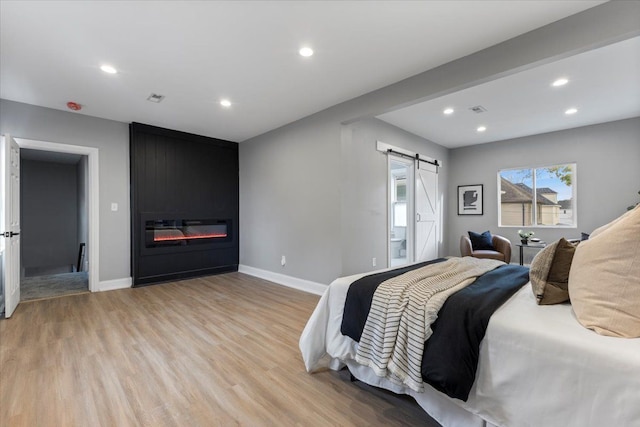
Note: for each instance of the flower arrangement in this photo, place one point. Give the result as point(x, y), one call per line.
point(525, 236)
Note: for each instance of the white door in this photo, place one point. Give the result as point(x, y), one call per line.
point(10, 222)
point(427, 211)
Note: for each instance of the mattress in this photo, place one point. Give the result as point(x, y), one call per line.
point(538, 367)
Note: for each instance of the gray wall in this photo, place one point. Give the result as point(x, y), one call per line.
point(315, 192)
point(112, 140)
point(363, 187)
point(608, 177)
point(290, 200)
point(49, 215)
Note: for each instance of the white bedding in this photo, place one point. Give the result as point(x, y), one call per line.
point(538, 367)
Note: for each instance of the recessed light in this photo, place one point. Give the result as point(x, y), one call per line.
point(306, 51)
point(108, 69)
point(560, 82)
point(481, 128)
point(478, 109)
point(448, 111)
point(571, 111)
point(225, 103)
point(155, 97)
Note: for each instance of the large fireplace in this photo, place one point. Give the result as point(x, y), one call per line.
point(185, 205)
point(184, 232)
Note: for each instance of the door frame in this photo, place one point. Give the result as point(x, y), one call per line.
point(389, 150)
point(410, 229)
point(93, 197)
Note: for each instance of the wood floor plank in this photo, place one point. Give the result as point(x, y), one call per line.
point(211, 351)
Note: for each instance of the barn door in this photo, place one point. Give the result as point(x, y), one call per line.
point(427, 211)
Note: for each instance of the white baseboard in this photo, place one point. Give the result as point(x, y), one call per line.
point(284, 280)
point(110, 285)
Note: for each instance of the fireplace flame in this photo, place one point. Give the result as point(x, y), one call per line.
point(190, 237)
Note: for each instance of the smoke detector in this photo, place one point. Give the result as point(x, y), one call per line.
point(154, 97)
point(74, 106)
point(478, 109)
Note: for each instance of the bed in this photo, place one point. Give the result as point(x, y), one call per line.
point(537, 366)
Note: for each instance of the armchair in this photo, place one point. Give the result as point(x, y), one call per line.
point(501, 244)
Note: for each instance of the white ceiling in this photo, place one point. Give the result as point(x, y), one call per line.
point(196, 53)
point(604, 85)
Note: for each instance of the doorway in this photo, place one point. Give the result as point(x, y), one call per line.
point(414, 213)
point(401, 207)
point(92, 249)
point(90, 263)
point(53, 199)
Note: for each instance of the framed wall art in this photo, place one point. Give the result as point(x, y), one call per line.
point(470, 199)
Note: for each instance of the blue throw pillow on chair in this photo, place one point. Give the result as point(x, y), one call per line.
point(482, 241)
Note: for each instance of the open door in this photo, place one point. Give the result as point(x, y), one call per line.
point(10, 222)
point(400, 194)
point(427, 213)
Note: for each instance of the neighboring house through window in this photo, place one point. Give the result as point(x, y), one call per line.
point(537, 197)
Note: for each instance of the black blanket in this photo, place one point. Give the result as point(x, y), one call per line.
point(450, 357)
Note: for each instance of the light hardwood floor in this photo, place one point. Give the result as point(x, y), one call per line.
point(214, 351)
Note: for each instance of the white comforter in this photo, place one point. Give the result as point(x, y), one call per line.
point(538, 367)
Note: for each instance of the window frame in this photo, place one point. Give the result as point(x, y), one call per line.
point(534, 204)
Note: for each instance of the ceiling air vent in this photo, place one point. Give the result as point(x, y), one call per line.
point(154, 97)
point(478, 109)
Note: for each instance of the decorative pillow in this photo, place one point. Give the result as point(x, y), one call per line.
point(584, 236)
point(604, 281)
point(559, 272)
point(482, 241)
point(549, 273)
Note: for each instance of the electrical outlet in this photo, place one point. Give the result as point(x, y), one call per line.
point(283, 261)
point(374, 262)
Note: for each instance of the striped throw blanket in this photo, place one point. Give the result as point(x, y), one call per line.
point(402, 311)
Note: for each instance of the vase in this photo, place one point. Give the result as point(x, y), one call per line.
point(525, 241)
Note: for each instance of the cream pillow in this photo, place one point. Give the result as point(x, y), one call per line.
point(604, 281)
point(602, 228)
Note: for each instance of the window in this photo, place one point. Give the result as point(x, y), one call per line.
point(537, 197)
point(401, 189)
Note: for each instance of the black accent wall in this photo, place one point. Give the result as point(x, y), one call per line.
point(177, 175)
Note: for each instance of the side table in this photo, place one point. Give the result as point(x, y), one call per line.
point(531, 245)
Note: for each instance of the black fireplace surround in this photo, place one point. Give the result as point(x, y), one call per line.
point(184, 198)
